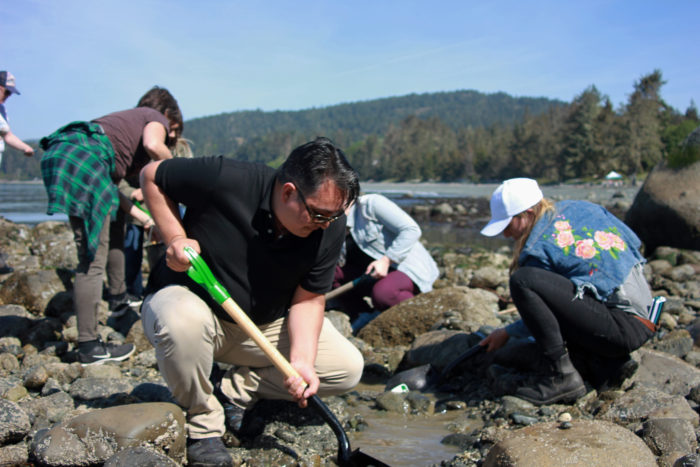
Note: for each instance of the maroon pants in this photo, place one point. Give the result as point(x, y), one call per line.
point(385, 293)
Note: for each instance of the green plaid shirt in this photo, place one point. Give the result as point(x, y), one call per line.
point(76, 167)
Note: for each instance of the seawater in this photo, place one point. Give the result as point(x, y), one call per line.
point(25, 203)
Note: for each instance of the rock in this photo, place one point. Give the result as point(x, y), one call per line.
point(402, 323)
point(36, 377)
point(53, 242)
point(14, 454)
point(677, 342)
point(665, 372)
point(669, 435)
point(12, 388)
point(49, 409)
point(437, 348)
point(393, 402)
point(644, 403)
point(488, 277)
point(99, 388)
point(32, 289)
point(341, 321)
point(159, 424)
point(666, 210)
point(8, 363)
point(585, 443)
point(59, 447)
point(14, 320)
point(681, 273)
point(14, 422)
point(140, 456)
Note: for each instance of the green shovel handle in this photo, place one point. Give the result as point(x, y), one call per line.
point(142, 207)
point(202, 275)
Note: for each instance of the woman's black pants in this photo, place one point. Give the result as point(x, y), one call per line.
point(585, 325)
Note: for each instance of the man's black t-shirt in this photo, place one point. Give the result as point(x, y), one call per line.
point(228, 211)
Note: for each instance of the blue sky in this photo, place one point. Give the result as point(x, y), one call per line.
point(79, 59)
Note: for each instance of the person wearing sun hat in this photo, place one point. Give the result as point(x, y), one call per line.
point(577, 281)
point(7, 88)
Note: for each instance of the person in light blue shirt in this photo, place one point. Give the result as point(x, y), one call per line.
point(578, 284)
point(383, 242)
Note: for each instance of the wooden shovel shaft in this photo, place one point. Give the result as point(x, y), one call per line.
point(242, 319)
point(340, 290)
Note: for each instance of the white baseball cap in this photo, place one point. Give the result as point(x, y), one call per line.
point(511, 197)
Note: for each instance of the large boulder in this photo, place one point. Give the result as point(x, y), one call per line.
point(586, 442)
point(666, 210)
point(402, 323)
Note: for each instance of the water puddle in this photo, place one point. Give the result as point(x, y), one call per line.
point(404, 440)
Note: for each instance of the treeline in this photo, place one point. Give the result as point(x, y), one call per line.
point(461, 135)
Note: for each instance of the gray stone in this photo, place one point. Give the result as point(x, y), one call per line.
point(36, 377)
point(98, 388)
point(665, 372)
point(340, 321)
point(58, 447)
point(14, 422)
point(159, 424)
point(681, 273)
point(677, 342)
point(644, 403)
point(52, 408)
point(402, 323)
point(140, 456)
point(584, 443)
point(53, 242)
point(393, 402)
point(14, 454)
point(666, 210)
point(488, 277)
point(8, 363)
point(32, 289)
point(668, 435)
point(12, 388)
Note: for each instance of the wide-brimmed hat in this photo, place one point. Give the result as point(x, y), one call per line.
point(7, 81)
point(510, 198)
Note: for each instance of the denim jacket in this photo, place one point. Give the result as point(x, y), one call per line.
point(585, 243)
point(381, 228)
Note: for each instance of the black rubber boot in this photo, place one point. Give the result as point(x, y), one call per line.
point(563, 384)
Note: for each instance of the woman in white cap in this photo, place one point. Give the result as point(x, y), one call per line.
point(577, 281)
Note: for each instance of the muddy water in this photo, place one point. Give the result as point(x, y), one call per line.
point(404, 440)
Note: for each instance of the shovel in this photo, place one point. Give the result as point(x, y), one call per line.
point(201, 274)
point(348, 286)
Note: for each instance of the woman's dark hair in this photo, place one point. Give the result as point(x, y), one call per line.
point(310, 164)
point(161, 100)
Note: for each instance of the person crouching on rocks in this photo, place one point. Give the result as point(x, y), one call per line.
point(577, 281)
point(383, 244)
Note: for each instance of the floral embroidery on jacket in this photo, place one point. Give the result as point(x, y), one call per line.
point(586, 243)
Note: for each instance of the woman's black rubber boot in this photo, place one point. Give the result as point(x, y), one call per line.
point(563, 384)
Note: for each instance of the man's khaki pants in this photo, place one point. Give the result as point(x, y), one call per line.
point(188, 338)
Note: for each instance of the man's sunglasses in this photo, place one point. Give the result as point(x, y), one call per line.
point(316, 217)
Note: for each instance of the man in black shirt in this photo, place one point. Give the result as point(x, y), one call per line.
point(272, 238)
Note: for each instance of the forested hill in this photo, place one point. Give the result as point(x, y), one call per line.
point(453, 136)
point(228, 133)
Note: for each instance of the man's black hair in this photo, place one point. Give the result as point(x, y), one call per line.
point(310, 164)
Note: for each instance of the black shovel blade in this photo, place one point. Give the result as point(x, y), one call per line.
point(360, 459)
point(346, 457)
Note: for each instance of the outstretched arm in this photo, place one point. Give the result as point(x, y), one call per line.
point(18, 144)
